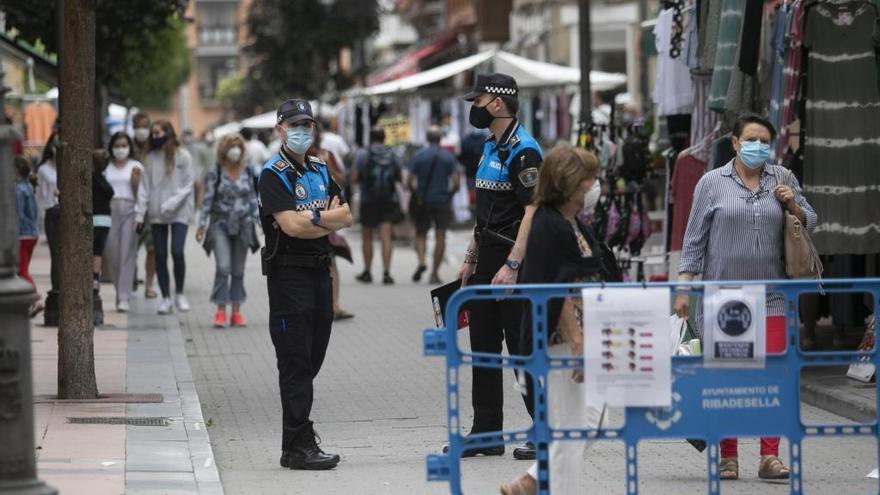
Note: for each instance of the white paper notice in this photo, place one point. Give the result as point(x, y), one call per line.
point(626, 347)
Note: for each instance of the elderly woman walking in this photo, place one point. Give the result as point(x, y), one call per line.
point(562, 249)
point(735, 232)
point(227, 225)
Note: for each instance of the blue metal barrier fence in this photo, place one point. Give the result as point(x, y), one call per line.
point(687, 418)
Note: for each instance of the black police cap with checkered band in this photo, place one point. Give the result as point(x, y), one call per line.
point(294, 110)
point(496, 84)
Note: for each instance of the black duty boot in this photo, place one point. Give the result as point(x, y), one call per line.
point(306, 455)
point(525, 453)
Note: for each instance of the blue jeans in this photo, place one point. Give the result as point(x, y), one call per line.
point(230, 254)
point(160, 241)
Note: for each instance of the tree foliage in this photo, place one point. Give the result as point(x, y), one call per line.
point(294, 45)
point(140, 50)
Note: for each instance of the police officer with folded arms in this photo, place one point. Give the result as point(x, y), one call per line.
point(506, 177)
point(300, 205)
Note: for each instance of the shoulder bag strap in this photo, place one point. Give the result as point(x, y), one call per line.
point(423, 189)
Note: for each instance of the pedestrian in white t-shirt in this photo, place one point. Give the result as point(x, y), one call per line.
point(123, 174)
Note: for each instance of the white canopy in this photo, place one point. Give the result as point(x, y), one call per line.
point(528, 74)
point(267, 120)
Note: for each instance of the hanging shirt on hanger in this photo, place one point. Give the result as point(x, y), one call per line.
point(672, 87)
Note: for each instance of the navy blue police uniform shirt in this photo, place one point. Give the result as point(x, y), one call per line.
point(506, 178)
point(287, 185)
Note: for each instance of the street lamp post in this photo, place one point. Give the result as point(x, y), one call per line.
point(18, 465)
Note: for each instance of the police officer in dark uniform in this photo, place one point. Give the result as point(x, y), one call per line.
point(506, 176)
point(300, 205)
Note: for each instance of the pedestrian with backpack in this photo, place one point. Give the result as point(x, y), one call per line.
point(227, 225)
point(377, 170)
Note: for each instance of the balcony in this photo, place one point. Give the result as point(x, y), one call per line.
point(217, 41)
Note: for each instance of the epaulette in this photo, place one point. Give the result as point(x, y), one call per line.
point(281, 165)
point(513, 141)
point(317, 159)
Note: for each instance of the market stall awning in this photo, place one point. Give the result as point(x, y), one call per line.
point(423, 78)
point(528, 74)
point(408, 64)
point(531, 73)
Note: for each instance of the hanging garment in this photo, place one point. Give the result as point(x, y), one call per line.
point(707, 30)
point(725, 55)
point(750, 39)
point(777, 44)
point(791, 75)
point(841, 173)
point(38, 119)
point(672, 85)
point(740, 91)
point(688, 171)
point(702, 119)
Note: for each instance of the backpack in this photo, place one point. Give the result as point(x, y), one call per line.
point(381, 176)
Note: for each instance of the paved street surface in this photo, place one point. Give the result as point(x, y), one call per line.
point(380, 405)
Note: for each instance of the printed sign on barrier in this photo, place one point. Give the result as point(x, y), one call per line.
point(734, 324)
point(626, 350)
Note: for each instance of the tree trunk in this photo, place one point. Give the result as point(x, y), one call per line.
point(76, 353)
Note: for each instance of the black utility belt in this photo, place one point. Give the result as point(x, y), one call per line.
point(302, 260)
point(504, 236)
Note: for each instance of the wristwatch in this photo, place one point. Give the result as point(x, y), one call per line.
point(316, 217)
point(512, 264)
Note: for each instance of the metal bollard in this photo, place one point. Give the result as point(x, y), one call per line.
point(18, 466)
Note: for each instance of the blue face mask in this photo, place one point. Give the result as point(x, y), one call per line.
point(299, 139)
point(754, 153)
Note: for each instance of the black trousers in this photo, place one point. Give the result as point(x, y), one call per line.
point(52, 223)
point(492, 322)
point(300, 315)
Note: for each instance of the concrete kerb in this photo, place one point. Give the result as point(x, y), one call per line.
point(180, 457)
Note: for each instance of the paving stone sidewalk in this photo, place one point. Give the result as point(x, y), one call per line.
point(137, 353)
point(381, 405)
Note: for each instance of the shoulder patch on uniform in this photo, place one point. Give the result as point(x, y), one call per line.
point(300, 192)
point(280, 165)
point(529, 177)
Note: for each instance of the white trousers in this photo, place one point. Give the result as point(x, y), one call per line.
point(121, 248)
point(567, 408)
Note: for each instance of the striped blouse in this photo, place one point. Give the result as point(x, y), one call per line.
point(736, 234)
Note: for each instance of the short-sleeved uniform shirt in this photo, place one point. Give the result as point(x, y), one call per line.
point(287, 185)
point(506, 178)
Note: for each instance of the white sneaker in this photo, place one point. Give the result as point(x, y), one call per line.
point(123, 307)
point(182, 303)
point(165, 306)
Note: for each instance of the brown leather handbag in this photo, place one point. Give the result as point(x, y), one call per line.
point(801, 258)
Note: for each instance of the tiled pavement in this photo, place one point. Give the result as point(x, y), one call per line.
point(142, 354)
point(381, 405)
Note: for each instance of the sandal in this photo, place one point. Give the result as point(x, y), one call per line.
point(150, 294)
point(342, 315)
point(772, 468)
point(729, 468)
point(524, 485)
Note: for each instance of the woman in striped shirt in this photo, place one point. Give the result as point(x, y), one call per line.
point(735, 232)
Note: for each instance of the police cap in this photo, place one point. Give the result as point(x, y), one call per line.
point(294, 110)
point(495, 84)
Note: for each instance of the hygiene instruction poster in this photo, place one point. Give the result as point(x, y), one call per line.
point(627, 362)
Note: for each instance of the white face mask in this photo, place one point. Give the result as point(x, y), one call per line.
point(233, 154)
point(592, 196)
point(142, 133)
point(120, 153)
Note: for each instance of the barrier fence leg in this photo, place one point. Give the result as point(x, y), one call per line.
point(632, 469)
point(714, 478)
point(794, 452)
